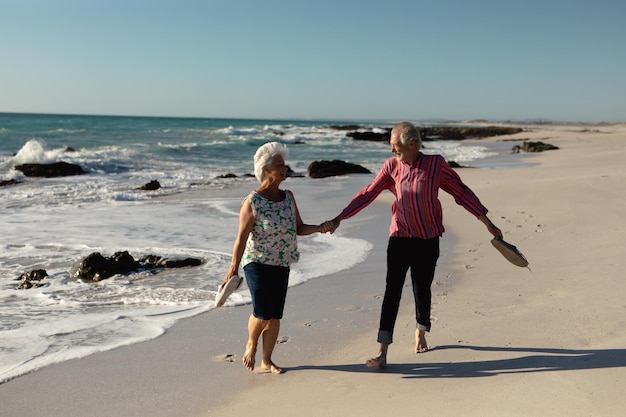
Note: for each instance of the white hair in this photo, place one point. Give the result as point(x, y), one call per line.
point(407, 132)
point(265, 155)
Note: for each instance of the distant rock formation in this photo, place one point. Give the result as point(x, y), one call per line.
point(323, 169)
point(436, 133)
point(57, 169)
point(529, 146)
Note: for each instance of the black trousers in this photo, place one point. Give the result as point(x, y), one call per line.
point(420, 256)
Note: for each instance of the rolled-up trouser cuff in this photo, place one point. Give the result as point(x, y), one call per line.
point(422, 327)
point(385, 336)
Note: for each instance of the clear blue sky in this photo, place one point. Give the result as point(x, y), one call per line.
point(563, 60)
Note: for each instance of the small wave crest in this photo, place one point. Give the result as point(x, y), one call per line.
point(35, 152)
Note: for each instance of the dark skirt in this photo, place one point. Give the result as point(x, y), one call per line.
point(268, 287)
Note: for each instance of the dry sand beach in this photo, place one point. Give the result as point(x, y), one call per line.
point(506, 341)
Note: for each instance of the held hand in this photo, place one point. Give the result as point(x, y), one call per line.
point(331, 225)
point(327, 227)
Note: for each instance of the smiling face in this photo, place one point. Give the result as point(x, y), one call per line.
point(277, 170)
point(405, 152)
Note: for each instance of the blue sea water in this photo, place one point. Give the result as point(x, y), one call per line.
point(52, 223)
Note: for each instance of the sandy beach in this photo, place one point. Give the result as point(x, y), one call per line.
point(506, 341)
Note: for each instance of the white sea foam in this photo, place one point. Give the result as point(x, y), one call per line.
point(68, 319)
point(34, 152)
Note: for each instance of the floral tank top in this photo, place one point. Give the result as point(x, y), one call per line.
point(273, 237)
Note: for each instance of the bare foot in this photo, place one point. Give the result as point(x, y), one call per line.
point(249, 358)
point(272, 367)
point(420, 341)
point(377, 362)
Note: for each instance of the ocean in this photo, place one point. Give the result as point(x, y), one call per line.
point(53, 223)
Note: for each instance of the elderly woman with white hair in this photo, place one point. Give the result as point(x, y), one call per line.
point(266, 245)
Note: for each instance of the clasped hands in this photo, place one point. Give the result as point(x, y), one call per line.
point(329, 226)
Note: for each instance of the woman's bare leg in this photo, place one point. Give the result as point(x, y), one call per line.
point(270, 336)
point(255, 328)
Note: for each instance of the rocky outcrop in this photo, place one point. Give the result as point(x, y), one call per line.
point(57, 169)
point(4, 183)
point(154, 261)
point(440, 133)
point(151, 186)
point(460, 133)
point(32, 279)
point(323, 169)
point(529, 146)
point(370, 136)
point(95, 267)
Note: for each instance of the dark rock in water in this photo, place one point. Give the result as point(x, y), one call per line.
point(151, 261)
point(323, 169)
point(293, 174)
point(27, 279)
point(123, 262)
point(529, 146)
point(454, 164)
point(345, 127)
point(154, 261)
point(96, 267)
point(181, 263)
point(8, 182)
point(151, 186)
point(537, 147)
point(371, 136)
point(57, 169)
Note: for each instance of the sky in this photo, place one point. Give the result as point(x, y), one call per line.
point(561, 60)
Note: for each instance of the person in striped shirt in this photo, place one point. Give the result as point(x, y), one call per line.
point(416, 226)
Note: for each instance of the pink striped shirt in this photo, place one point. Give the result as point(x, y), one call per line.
point(416, 210)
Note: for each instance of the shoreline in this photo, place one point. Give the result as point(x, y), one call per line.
point(505, 340)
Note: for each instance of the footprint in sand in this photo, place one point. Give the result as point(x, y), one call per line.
point(226, 357)
point(307, 323)
point(283, 339)
point(478, 245)
point(350, 308)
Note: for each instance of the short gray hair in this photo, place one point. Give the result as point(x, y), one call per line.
point(265, 155)
point(407, 132)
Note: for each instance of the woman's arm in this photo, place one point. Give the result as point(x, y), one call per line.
point(246, 222)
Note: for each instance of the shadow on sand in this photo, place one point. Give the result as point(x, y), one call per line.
point(527, 360)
